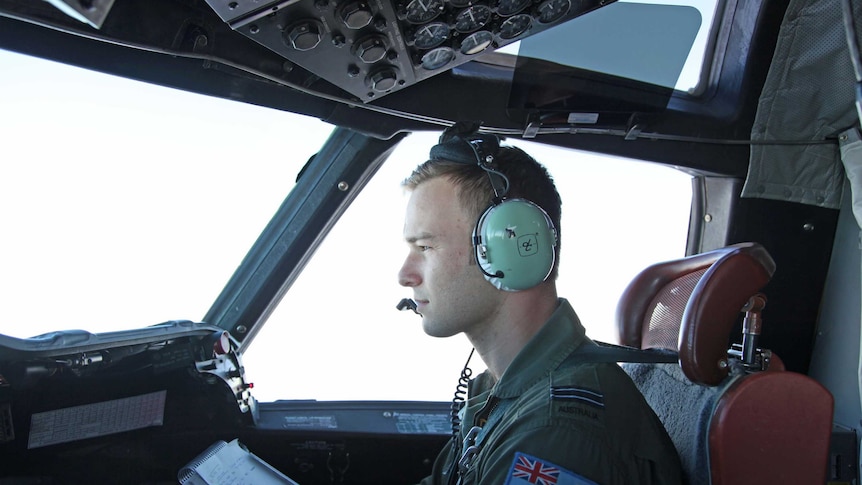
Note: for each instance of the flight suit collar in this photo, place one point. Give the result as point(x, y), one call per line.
point(554, 342)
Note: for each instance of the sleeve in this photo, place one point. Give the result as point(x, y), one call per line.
point(582, 453)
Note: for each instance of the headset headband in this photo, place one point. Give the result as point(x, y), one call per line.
point(462, 143)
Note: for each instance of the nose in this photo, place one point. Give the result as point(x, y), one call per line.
point(408, 275)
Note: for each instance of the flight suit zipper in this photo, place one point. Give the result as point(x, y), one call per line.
point(483, 423)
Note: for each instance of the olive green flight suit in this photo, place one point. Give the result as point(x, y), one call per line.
point(588, 418)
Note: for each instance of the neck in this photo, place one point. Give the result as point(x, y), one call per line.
point(519, 318)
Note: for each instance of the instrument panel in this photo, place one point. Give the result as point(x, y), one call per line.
point(371, 48)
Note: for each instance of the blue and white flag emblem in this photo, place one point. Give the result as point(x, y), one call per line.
point(528, 470)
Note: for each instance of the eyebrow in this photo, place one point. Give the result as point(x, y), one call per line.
point(421, 236)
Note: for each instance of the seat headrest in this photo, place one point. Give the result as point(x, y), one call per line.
point(692, 304)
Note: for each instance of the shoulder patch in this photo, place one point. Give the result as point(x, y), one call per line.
point(528, 470)
point(579, 394)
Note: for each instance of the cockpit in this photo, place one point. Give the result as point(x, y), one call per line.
point(203, 208)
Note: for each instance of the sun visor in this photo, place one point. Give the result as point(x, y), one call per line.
point(602, 67)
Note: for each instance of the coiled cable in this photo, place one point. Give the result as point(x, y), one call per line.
point(460, 395)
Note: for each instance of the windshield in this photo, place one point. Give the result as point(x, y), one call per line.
point(338, 323)
point(127, 205)
point(623, 39)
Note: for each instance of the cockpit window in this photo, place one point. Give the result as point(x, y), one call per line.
point(662, 43)
point(126, 204)
point(337, 335)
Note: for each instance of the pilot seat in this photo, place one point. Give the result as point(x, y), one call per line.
point(734, 413)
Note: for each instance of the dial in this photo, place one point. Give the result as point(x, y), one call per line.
point(356, 15)
point(437, 58)
point(515, 26)
point(371, 49)
point(476, 42)
point(383, 80)
point(460, 3)
point(472, 18)
point(430, 35)
point(511, 7)
point(553, 10)
point(421, 11)
point(303, 35)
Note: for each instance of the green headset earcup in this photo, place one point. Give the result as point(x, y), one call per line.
point(515, 244)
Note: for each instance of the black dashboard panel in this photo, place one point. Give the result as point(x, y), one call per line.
point(371, 48)
point(356, 442)
point(118, 407)
point(136, 406)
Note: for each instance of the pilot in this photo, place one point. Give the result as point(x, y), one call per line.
point(483, 229)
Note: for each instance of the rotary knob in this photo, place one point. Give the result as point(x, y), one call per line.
point(356, 15)
point(372, 49)
point(303, 36)
point(383, 80)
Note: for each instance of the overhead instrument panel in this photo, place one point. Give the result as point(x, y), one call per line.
point(371, 48)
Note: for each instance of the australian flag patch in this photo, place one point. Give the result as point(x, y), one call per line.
point(527, 470)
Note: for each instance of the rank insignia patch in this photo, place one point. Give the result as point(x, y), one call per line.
point(578, 394)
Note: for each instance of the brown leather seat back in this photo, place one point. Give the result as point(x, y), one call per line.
point(714, 407)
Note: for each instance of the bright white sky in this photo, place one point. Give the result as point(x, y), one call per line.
point(125, 205)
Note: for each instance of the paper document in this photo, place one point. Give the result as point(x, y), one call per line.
point(230, 464)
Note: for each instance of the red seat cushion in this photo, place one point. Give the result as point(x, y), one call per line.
point(771, 427)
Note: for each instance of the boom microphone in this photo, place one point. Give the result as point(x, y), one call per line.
point(407, 304)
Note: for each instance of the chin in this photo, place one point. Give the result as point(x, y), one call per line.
point(435, 330)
